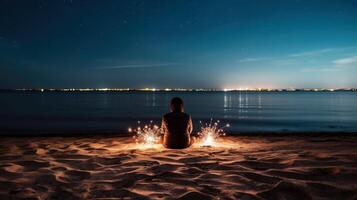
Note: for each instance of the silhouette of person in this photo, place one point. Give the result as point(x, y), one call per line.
point(177, 126)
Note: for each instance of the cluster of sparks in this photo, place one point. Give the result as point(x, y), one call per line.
point(149, 135)
point(210, 132)
point(146, 135)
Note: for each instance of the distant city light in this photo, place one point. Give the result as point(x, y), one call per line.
point(239, 89)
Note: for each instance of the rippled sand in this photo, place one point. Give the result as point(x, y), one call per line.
point(253, 167)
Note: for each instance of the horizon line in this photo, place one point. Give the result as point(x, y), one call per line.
point(177, 89)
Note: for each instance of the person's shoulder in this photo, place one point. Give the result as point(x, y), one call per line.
point(176, 114)
point(167, 115)
point(186, 115)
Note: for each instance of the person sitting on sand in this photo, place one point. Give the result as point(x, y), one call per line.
point(177, 126)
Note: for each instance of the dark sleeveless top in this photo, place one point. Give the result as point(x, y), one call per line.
point(176, 126)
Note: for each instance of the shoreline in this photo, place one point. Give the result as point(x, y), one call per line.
point(126, 134)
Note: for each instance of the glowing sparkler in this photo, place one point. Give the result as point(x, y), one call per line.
point(147, 135)
point(210, 132)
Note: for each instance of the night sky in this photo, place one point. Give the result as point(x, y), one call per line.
point(188, 44)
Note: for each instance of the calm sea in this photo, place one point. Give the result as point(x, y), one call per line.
point(111, 112)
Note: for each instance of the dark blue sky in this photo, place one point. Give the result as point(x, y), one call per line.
point(200, 44)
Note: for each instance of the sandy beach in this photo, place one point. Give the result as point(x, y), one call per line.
point(238, 167)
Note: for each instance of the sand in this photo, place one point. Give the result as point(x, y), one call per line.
point(239, 167)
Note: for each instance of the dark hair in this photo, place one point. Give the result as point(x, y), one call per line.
point(176, 104)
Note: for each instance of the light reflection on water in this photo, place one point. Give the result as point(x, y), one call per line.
point(243, 103)
point(245, 111)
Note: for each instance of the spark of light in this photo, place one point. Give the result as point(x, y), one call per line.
point(210, 132)
point(147, 135)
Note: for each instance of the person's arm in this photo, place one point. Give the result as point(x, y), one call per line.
point(163, 126)
point(163, 130)
point(190, 126)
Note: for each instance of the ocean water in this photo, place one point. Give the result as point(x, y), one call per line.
point(114, 112)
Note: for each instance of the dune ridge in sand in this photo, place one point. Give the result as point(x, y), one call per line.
point(240, 167)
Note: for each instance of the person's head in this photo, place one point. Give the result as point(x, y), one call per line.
point(176, 104)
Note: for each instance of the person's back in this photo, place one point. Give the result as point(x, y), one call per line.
point(177, 126)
